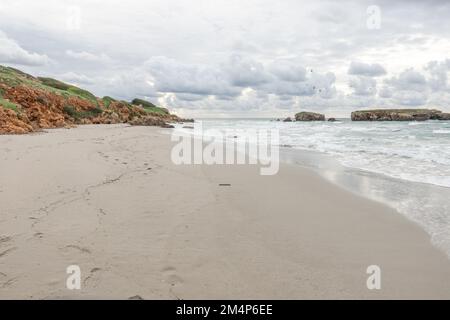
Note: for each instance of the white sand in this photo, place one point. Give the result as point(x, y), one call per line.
point(87, 196)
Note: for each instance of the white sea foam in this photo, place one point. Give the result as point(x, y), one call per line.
point(409, 151)
point(441, 131)
point(415, 151)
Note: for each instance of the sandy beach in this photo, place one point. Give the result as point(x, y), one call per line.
point(109, 199)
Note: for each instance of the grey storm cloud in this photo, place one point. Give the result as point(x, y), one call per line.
point(229, 78)
point(363, 86)
point(410, 98)
point(414, 88)
point(365, 69)
point(409, 88)
point(236, 57)
point(245, 72)
point(385, 92)
point(172, 76)
point(288, 71)
point(409, 80)
point(438, 74)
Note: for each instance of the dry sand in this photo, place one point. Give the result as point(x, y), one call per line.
point(108, 198)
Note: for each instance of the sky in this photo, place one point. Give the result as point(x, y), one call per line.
point(228, 58)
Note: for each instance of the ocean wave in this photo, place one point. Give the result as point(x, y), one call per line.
point(413, 151)
point(442, 131)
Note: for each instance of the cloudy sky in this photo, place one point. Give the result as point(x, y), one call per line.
point(252, 58)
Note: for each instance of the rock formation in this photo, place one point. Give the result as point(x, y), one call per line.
point(29, 104)
point(309, 116)
point(399, 115)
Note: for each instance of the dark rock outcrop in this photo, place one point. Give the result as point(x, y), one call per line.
point(332, 119)
point(399, 115)
point(309, 116)
point(442, 116)
point(149, 121)
point(288, 119)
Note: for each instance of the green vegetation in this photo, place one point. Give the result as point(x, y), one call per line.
point(84, 94)
point(9, 105)
point(70, 111)
point(107, 101)
point(149, 107)
point(77, 115)
point(13, 77)
point(144, 103)
point(10, 76)
point(157, 110)
point(54, 83)
point(20, 73)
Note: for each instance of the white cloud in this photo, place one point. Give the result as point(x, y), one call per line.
point(438, 71)
point(409, 80)
point(363, 86)
point(12, 52)
point(288, 71)
point(410, 98)
point(87, 56)
point(245, 72)
point(76, 79)
point(172, 76)
point(365, 69)
point(256, 57)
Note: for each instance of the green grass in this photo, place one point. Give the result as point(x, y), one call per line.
point(10, 76)
point(107, 101)
point(157, 110)
point(144, 103)
point(9, 105)
point(77, 115)
point(54, 83)
point(13, 77)
point(149, 107)
point(71, 90)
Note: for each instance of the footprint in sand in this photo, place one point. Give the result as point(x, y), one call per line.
point(7, 251)
point(8, 282)
point(81, 249)
point(92, 279)
point(171, 277)
point(5, 239)
point(38, 235)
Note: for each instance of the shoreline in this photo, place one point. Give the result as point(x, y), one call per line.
point(109, 199)
point(398, 194)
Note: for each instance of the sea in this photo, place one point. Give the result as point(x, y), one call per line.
point(405, 165)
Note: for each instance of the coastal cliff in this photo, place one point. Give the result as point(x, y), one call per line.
point(29, 103)
point(399, 115)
